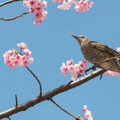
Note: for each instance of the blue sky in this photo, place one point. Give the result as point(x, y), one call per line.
point(51, 44)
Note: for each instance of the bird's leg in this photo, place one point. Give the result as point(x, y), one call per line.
point(101, 76)
point(106, 60)
point(91, 68)
point(94, 67)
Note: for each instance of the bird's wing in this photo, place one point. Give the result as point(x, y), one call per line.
point(103, 47)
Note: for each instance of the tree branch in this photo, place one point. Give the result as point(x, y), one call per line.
point(16, 101)
point(50, 94)
point(7, 2)
point(36, 79)
point(62, 108)
point(9, 19)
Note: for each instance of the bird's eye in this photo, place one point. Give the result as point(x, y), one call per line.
point(82, 36)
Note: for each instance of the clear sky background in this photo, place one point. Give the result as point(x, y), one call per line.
point(51, 44)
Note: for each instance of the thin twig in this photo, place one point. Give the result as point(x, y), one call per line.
point(7, 2)
point(62, 108)
point(9, 19)
point(36, 79)
point(9, 118)
point(16, 101)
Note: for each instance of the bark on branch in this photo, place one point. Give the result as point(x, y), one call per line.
point(62, 109)
point(9, 19)
point(50, 94)
point(7, 2)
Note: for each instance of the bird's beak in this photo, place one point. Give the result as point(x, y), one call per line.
point(74, 36)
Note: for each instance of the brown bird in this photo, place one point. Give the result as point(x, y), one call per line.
point(99, 54)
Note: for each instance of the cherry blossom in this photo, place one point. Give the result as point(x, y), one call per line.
point(87, 114)
point(64, 69)
point(22, 46)
point(83, 5)
point(36, 7)
point(12, 58)
point(74, 69)
point(80, 5)
point(66, 5)
point(84, 108)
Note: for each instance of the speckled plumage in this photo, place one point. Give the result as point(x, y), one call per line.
point(99, 54)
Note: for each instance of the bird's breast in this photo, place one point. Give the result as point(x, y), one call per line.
point(93, 55)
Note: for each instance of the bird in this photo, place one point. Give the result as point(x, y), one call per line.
point(98, 54)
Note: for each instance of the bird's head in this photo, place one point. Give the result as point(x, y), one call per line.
point(81, 39)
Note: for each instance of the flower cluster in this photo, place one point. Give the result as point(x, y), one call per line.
point(87, 114)
point(80, 5)
point(65, 5)
point(83, 5)
point(74, 69)
point(112, 73)
point(36, 7)
point(13, 58)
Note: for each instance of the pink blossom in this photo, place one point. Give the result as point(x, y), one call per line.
point(74, 76)
point(116, 74)
point(38, 21)
point(83, 5)
point(69, 62)
point(81, 71)
point(71, 68)
point(80, 5)
point(22, 46)
point(24, 58)
point(36, 8)
point(64, 6)
point(88, 115)
point(25, 3)
point(84, 108)
point(11, 59)
point(61, 1)
point(8, 62)
point(74, 69)
point(27, 52)
point(118, 50)
point(112, 73)
point(12, 66)
point(30, 60)
point(8, 54)
point(64, 69)
point(70, 2)
point(18, 57)
point(109, 72)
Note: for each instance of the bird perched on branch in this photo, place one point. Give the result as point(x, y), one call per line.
point(99, 54)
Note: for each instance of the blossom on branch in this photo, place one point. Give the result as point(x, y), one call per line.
point(87, 114)
point(36, 7)
point(74, 69)
point(83, 5)
point(12, 58)
point(80, 5)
